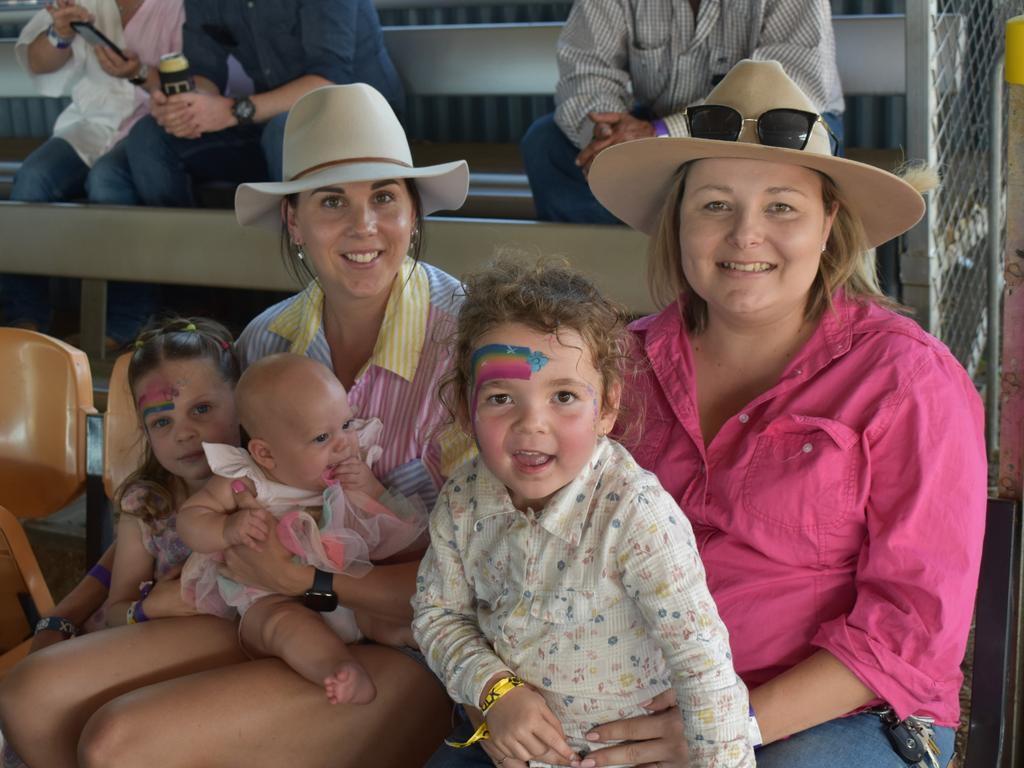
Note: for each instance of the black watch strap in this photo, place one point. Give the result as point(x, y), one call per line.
point(244, 110)
point(321, 596)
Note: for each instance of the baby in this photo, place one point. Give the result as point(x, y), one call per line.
point(308, 464)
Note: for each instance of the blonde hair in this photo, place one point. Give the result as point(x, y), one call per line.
point(847, 261)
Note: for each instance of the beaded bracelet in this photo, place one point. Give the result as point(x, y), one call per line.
point(56, 624)
point(135, 613)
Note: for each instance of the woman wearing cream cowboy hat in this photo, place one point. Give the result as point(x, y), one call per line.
point(829, 453)
point(352, 205)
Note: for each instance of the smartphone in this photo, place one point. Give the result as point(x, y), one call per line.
point(94, 37)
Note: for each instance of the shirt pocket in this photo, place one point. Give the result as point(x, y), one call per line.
point(649, 71)
point(721, 59)
point(802, 475)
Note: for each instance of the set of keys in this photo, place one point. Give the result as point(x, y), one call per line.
point(911, 738)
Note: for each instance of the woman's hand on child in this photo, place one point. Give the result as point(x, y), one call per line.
point(654, 739)
point(270, 568)
point(248, 527)
point(524, 727)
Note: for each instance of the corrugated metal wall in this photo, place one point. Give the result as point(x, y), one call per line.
point(869, 121)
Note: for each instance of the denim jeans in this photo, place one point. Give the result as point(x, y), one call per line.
point(560, 190)
point(846, 742)
point(163, 167)
point(54, 173)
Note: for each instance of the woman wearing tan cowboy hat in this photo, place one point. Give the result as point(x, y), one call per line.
point(352, 208)
point(828, 452)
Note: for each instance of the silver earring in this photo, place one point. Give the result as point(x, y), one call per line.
point(299, 251)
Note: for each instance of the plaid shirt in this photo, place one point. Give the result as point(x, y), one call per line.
point(614, 55)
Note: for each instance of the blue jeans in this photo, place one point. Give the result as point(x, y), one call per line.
point(846, 742)
point(53, 173)
point(560, 190)
point(163, 167)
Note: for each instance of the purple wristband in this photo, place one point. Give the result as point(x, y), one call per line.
point(140, 615)
point(660, 129)
point(101, 574)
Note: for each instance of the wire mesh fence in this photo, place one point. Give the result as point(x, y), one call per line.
point(968, 43)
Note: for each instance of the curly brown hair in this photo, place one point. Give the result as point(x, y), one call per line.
point(174, 338)
point(548, 297)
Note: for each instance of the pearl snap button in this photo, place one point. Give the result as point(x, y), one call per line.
point(808, 447)
point(744, 418)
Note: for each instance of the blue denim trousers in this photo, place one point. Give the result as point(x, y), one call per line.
point(846, 742)
point(55, 173)
point(163, 167)
point(560, 190)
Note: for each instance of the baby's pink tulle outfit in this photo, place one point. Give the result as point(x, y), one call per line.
point(354, 530)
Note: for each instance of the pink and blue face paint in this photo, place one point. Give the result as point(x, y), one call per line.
point(156, 399)
point(502, 361)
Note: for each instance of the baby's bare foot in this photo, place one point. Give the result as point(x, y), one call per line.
point(350, 684)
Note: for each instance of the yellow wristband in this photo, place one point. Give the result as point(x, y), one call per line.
point(479, 734)
point(499, 689)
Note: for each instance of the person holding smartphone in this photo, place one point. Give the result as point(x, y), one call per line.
point(287, 50)
point(83, 159)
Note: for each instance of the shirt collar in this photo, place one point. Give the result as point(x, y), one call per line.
point(565, 515)
point(400, 341)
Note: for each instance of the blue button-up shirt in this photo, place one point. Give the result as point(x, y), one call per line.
point(277, 41)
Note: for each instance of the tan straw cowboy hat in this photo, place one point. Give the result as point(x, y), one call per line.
point(345, 133)
point(633, 179)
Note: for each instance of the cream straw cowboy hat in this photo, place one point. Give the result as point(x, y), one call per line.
point(633, 179)
point(345, 133)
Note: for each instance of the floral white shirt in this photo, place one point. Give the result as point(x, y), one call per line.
point(599, 601)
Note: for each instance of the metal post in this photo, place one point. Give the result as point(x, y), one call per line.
point(1011, 423)
point(995, 277)
point(1011, 431)
point(93, 318)
point(919, 272)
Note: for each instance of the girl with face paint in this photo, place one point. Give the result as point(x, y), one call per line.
point(562, 588)
point(182, 377)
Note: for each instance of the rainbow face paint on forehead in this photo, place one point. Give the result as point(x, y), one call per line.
point(156, 399)
point(503, 361)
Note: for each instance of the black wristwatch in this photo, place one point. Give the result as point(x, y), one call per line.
point(321, 596)
point(244, 110)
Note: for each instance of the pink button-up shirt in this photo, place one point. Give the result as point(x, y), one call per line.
point(841, 509)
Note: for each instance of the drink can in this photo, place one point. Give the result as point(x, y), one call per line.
point(175, 76)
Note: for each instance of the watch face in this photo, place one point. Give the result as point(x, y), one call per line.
point(244, 109)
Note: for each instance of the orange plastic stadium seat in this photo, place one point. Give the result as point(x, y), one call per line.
point(122, 437)
point(45, 394)
point(23, 592)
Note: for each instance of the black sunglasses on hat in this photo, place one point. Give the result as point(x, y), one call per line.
point(785, 128)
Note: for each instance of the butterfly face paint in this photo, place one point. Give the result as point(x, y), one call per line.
point(502, 361)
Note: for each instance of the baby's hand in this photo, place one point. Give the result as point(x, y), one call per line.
point(523, 726)
point(246, 526)
point(355, 475)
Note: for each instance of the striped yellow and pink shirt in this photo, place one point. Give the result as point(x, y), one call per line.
point(399, 384)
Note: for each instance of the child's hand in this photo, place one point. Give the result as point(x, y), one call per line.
point(355, 475)
point(246, 526)
point(523, 726)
